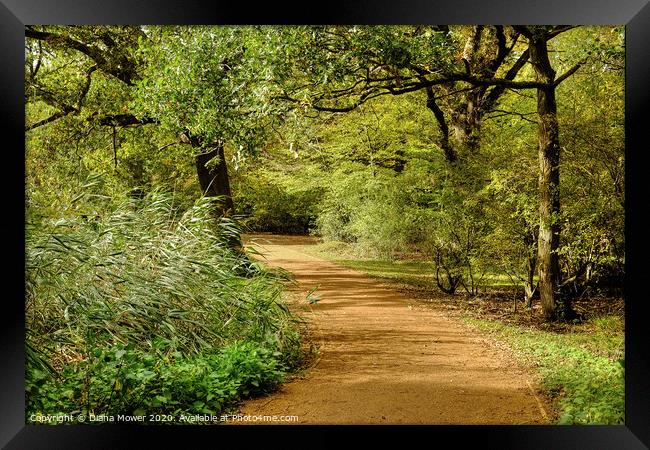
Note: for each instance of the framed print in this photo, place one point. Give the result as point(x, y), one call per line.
point(420, 220)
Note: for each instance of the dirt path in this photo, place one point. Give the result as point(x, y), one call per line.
point(384, 359)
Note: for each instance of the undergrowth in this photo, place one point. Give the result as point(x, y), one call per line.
point(142, 307)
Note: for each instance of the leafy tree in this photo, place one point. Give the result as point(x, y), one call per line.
point(356, 64)
point(593, 241)
point(210, 86)
point(155, 103)
point(463, 70)
point(78, 85)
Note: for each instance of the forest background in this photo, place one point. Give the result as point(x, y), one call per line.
point(490, 158)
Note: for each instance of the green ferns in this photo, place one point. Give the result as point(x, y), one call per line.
point(142, 307)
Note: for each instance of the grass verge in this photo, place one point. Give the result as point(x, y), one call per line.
point(582, 370)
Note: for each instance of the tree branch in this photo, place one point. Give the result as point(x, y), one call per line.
point(512, 113)
point(65, 109)
point(450, 154)
point(523, 30)
point(124, 74)
point(502, 50)
point(52, 118)
point(568, 73)
point(123, 120)
point(558, 30)
point(497, 91)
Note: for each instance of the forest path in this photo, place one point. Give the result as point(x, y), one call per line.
point(385, 359)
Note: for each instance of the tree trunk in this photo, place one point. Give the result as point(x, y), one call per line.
point(213, 177)
point(529, 292)
point(530, 287)
point(554, 307)
point(467, 121)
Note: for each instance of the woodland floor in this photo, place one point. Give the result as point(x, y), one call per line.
point(384, 357)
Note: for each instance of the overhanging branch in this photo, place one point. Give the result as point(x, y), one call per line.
point(568, 73)
point(120, 69)
point(65, 109)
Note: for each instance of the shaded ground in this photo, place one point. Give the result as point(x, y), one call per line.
point(386, 359)
point(499, 305)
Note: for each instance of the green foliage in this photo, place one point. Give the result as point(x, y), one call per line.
point(124, 380)
point(135, 299)
point(587, 380)
point(64, 152)
point(366, 205)
point(232, 83)
point(593, 250)
point(141, 278)
point(207, 80)
point(317, 62)
point(388, 213)
point(272, 201)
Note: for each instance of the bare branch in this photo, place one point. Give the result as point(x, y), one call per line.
point(568, 73)
point(64, 108)
point(52, 118)
point(512, 113)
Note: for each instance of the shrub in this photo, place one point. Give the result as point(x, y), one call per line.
point(123, 380)
point(119, 303)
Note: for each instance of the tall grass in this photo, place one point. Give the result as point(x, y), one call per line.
point(143, 286)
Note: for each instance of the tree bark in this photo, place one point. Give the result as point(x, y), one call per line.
point(554, 307)
point(213, 178)
point(444, 143)
point(466, 116)
point(466, 120)
point(530, 288)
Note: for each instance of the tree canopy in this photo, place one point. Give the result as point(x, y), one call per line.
point(167, 101)
point(480, 167)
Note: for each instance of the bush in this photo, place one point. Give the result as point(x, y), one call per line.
point(124, 306)
point(123, 380)
point(382, 211)
point(274, 202)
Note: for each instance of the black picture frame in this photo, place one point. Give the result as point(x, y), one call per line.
point(15, 14)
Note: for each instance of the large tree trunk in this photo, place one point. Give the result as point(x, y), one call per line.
point(466, 121)
point(212, 172)
point(213, 177)
point(554, 307)
point(465, 116)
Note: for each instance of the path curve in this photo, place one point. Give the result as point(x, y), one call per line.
point(385, 359)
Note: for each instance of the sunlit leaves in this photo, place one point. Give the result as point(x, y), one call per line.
point(211, 81)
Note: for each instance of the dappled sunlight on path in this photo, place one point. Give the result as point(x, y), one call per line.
point(385, 359)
